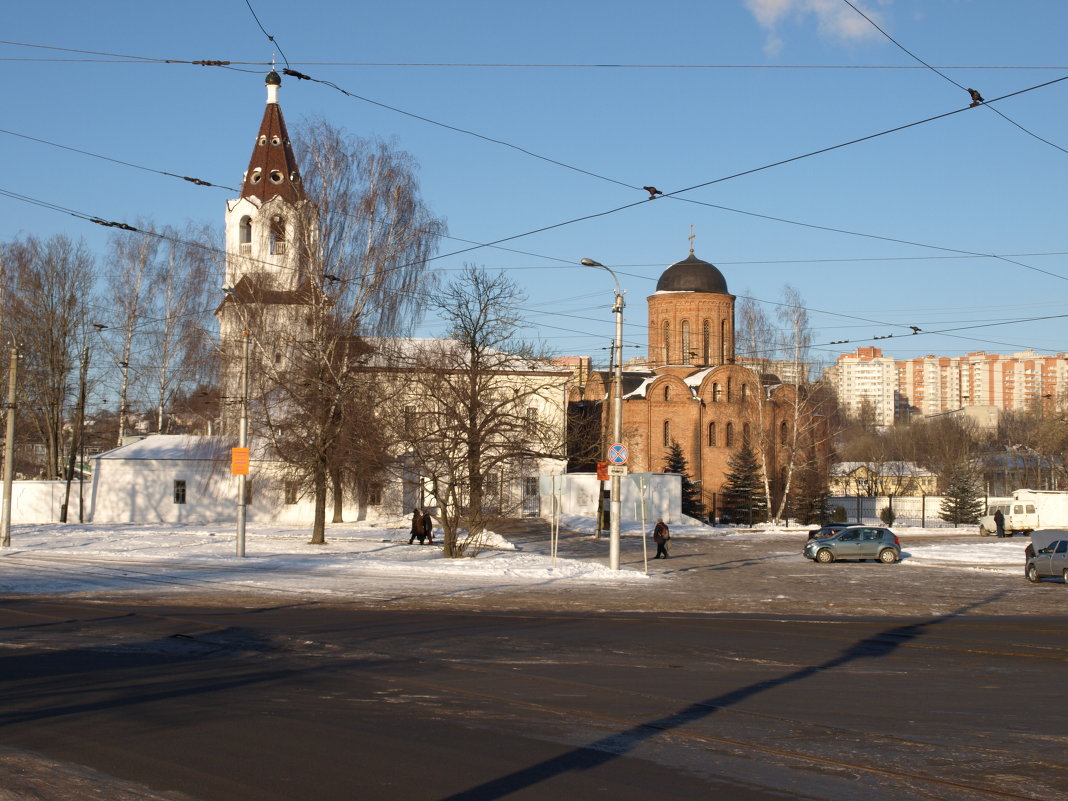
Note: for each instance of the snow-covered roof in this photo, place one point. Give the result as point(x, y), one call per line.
point(640, 390)
point(173, 446)
point(910, 469)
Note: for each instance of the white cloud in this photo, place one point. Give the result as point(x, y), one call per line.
point(834, 19)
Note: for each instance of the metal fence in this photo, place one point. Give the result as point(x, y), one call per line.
point(909, 510)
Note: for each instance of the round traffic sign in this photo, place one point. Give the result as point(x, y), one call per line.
point(617, 453)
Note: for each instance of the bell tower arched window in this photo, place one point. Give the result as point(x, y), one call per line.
point(706, 342)
point(712, 435)
point(686, 358)
point(277, 236)
point(667, 433)
point(666, 342)
point(722, 341)
point(244, 232)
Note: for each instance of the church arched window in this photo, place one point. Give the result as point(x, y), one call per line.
point(716, 398)
point(722, 341)
point(686, 343)
point(784, 433)
point(729, 441)
point(730, 393)
point(745, 432)
point(712, 435)
point(667, 392)
point(706, 342)
point(744, 392)
point(244, 229)
point(666, 343)
point(667, 433)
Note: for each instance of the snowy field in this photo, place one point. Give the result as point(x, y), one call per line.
point(361, 560)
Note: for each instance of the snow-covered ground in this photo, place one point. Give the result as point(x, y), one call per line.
point(362, 559)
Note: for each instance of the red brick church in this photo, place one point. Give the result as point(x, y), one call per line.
point(693, 392)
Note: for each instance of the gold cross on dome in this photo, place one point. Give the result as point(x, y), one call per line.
point(691, 237)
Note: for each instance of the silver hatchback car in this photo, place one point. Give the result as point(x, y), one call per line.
point(856, 542)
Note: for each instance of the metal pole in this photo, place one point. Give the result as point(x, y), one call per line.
point(242, 441)
point(616, 503)
point(617, 433)
point(9, 450)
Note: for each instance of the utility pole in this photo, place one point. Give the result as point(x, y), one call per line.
point(9, 449)
point(76, 436)
point(242, 442)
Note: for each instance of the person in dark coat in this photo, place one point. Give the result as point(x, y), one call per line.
point(999, 522)
point(661, 535)
point(418, 527)
point(428, 527)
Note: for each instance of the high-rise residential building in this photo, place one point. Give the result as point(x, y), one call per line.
point(932, 385)
point(866, 385)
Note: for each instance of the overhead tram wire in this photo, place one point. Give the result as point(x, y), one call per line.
point(219, 251)
point(270, 38)
point(941, 74)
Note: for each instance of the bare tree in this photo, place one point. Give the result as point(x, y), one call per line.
point(755, 341)
point(363, 241)
point(46, 304)
point(179, 310)
point(473, 410)
point(131, 267)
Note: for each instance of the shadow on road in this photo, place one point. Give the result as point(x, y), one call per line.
point(612, 747)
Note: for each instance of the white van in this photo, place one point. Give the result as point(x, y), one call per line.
point(1027, 511)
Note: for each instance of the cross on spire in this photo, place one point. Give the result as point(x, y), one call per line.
point(691, 237)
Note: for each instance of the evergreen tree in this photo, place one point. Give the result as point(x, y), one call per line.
point(691, 492)
point(811, 501)
point(743, 492)
point(963, 497)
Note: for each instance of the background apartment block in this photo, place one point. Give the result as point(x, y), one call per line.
point(932, 385)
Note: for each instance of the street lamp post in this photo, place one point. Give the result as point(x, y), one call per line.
point(617, 419)
point(242, 435)
point(9, 449)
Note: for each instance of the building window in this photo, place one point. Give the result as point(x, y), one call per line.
point(666, 343)
point(716, 396)
point(532, 419)
point(712, 435)
point(706, 342)
point(745, 392)
point(244, 229)
point(409, 420)
point(179, 490)
point(374, 495)
point(729, 441)
point(667, 433)
point(686, 343)
point(783, 433)
point(745, 432)
point(729, 392)
point(722, 341)
point(667, 393)
point(277, 239)
point(292, 490)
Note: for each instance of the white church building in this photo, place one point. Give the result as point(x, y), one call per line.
point(184, 478)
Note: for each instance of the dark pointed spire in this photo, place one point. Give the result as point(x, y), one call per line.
point(272, 171)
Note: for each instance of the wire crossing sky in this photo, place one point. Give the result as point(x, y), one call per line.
point(99, 122)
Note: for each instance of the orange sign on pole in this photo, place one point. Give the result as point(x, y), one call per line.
point(602, 471)
point(239, 461)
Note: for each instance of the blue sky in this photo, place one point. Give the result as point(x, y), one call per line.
point(704, 91)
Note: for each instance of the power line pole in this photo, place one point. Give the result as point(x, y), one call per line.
point(76, 436)
point(242, 442)
point(9, 449)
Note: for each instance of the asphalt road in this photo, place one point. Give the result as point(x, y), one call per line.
point(302, 700)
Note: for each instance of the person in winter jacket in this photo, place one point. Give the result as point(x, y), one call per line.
point(418, 527)
point(428, 527)
point(661, 535)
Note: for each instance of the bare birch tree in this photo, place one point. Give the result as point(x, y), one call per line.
point(363, 243)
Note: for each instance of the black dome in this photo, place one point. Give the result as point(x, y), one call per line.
point(273, 79)
point(692, 275)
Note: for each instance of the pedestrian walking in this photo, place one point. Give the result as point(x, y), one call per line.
point(999, 522)
point(661, 535)
point(418, 527)
point(428, 527)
